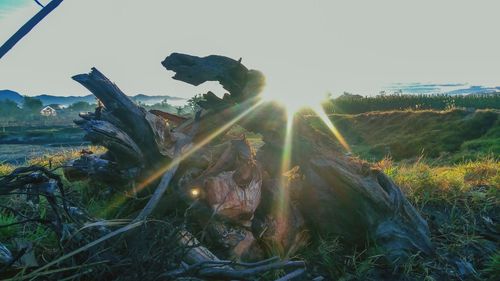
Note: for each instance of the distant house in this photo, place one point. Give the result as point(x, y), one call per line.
point(48, 111)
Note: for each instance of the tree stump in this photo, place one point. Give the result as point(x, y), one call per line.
point(326, 192)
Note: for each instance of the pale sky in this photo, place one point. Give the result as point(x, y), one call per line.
point(303, 47)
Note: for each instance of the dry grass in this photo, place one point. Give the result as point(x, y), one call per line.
point(458, 200)
point(455, 134)
point(461, 203)
point(60, 158)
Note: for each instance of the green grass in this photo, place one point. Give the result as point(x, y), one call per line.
point(10, 231)
point(424, 183)
point(456, 135)
point(455, 199)
point(44, 240)
point(456, 188)
point(493, 267)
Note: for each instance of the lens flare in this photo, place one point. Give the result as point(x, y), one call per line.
point(324, 117)
point(195, 192)
point(296, 102)
point(192, 149)
point(282, 208)
point(286, 161)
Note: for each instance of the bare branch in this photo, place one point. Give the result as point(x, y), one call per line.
point(28, 26)
point(39, 4)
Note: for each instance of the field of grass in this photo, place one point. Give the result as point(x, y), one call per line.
point(461, 203)
point(455, 186)
point(453, 135)
point(50, 134)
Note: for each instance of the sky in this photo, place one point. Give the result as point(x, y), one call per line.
point(303, 47)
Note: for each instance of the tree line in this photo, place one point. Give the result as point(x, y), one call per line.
point(354, 104)
point(28, 111)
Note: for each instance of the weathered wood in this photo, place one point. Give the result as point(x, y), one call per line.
point(232, 185)
point(243, 85)
point(338, 194)
point(331, 194)
point(195, 252)
point(230, 188)
point(292, 275)
point(194, 70)
point(343, 196)
point(172, 118)
point(89, 166)
point(132, 118)
point(123, 148)
point(169, 174)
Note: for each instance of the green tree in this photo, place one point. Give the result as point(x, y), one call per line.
point(9, 108)
point(9, 111)
point(81, 106)
point(193, 102)
point(32, 105)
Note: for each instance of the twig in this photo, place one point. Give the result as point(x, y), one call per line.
point(292, 275)
point(26, 221)
point(220, 269)
point(14, 260)
point(160, 190)
point(14, 211)
point(169, 174)
point(39, 4)
point(81, 249)
point(250, 272)
point(216, 263)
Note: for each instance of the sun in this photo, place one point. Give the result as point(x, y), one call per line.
point(294, 101)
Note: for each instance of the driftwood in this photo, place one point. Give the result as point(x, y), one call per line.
point(133, 150)
point(219, 269)
point(234, 193)
point(128, 126)
point(344, 196)
point(337, 195)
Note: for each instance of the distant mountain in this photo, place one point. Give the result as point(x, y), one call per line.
point(67, 100)
point(48, 99)
point(10, 95)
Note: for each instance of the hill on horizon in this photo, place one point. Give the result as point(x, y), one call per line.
point(67, 100)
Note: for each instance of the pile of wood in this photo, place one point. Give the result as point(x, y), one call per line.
point(241, 199)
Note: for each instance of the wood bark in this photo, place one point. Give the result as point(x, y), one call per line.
point(336, 194)
point(325, 191)
point(131, 118)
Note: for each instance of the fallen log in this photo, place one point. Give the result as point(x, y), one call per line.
point(128, 120)
point(338, 195)
point(330, 193)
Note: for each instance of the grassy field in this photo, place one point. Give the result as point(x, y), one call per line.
point(446, 162)
point(460, 202)
point(452, 135)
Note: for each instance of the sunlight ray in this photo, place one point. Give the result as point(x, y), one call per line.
point(286, 161)
point(324, 117)
point(192, 149)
